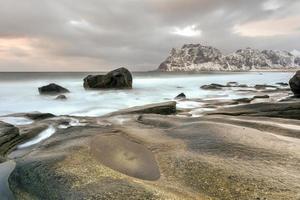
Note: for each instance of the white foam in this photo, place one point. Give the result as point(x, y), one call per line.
point(40, 137)
point(188, 104)
point(16, 120)
point(147, 88)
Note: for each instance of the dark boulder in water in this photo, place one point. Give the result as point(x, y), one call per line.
point(295, 84)
point(61, 97)
point(263, 86)
point(38, 115)
point(283, 84)
point(119, 79)
point(180, 96)
point(212, 86)
point(52, 89)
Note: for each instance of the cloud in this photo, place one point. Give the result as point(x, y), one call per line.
point(270, 27)
point(188, 31)
point(272, 4)
point(76, 35)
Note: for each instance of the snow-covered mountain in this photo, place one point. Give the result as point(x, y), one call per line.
point(196, 57)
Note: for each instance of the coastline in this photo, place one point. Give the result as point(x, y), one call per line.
point(238, 148)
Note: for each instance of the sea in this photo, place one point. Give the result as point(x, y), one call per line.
point(19, 91)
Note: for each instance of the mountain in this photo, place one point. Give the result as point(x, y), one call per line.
point(196, 57)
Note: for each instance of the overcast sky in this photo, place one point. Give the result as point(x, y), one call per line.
point(99, 35)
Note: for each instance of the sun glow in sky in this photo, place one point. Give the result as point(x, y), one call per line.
point(188, 31)
point(270, 27)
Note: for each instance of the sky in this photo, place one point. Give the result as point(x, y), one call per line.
point(100, 35)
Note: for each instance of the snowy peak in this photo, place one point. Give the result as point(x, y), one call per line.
point(197, 57)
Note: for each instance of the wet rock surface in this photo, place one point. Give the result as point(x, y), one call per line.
point(9, 136)
point(165, 108)
point(125, 156)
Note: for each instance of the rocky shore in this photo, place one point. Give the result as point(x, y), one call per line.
point(225, 149)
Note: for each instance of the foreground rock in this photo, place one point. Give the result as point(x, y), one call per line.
point(164, 157)
point(119, 79)
point(295, 84)
point(52, 89)
point(197, 57)
point(165, 108)
point(9, 136)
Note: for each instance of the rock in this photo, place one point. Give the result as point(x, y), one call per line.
point(232, 84)
point(52, 89)
point(197, 57)
point(261, 97)
point(282, 84)
point(212, 86)
point(119, 79)
point(295, 84)
point(165, 108)
point(235, 84)
point(243, 86)
point(61, 97)
point(180, 96)
point(289, 110)
point(263, 86)
point(244, 100)
point(9, 135)
point(38, 115)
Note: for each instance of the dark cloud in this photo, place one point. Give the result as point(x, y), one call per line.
point(103, 34)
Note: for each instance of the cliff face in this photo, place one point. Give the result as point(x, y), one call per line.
point(196, 57)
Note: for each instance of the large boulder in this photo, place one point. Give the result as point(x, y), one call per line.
point(52, 89)
point(119, 79)
point(295, 84)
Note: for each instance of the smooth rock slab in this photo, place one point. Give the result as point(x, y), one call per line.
point(164, 108)
point(125, 156)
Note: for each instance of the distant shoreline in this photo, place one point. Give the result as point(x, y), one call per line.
point(156, 71)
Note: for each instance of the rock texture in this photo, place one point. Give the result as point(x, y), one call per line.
point(295, 84)
point(120, 79)
point(52, 89)
point(159, 157)
point(196, 57)
point(9, 135)
point(165, 108)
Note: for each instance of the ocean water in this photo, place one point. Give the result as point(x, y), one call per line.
point(19, 91)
